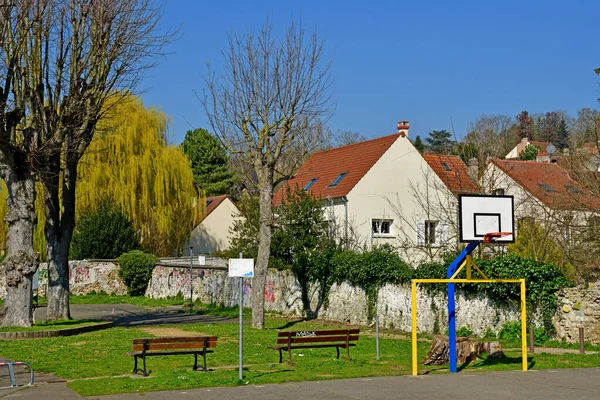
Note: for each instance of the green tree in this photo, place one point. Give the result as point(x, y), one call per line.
point(439, 142)
point(135, 268)
point(529, 153)
point(418, 143)
point(210, 164)
point(130, 164)
point(104, 233)
point(562, 136)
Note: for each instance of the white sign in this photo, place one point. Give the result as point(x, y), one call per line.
point(202, 260)
point(241, 267)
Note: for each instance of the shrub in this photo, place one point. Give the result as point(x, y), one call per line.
point(136, 270)
point(103, 233)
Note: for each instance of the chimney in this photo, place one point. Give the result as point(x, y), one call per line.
point(403, 127)
point(473, 169)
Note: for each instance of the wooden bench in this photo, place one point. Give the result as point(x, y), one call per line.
point(167, 346)
point(341, 338)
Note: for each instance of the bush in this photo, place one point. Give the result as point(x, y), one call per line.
point(104, 233)
point(136, 270)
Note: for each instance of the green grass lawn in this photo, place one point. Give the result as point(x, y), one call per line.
point(95, 363)
point(52, 325)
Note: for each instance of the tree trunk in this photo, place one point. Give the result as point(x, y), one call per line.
point(21, 261)
point(59, 230)
point(466, 350)
point(259, 281)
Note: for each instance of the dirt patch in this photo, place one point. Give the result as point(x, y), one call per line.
point(78, 343)
point(168, 332)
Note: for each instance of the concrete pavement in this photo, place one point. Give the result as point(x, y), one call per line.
point(563, 384)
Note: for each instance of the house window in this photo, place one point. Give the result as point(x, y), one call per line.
point(547, 188)
point(446, 166)
point(337, 180)
point(498, 192)
point(381, 227)
point(431, 232)
point(208, 202)
point(310, 183)
point(572, 189)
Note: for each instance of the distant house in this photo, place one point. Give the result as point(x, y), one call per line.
point(385, 191)
point(212, 234)
point(543, 192)
point(543, 156)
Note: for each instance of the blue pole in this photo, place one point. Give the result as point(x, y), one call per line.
point(451, 305)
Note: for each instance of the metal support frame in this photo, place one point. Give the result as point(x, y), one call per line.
point(461, 261)
point(11, 372)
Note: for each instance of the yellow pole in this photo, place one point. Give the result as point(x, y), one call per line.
point(469, 262)
point(414, 328)
point(523, 325)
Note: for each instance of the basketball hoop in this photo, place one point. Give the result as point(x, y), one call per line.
point(491, 237)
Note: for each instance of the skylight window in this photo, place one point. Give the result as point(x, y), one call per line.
point(337, 180)
point(572, 189)
point(310, 183)
point(208, 202)
point(446, 166)
point(545, 187)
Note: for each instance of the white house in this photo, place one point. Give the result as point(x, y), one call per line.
point(385, 191)
point(545, 193)
point(546, 148)
point(212, 234)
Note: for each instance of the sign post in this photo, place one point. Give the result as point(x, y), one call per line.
point(241, 267)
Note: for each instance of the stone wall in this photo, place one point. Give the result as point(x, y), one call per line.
point(578, 306)
point(86, 276)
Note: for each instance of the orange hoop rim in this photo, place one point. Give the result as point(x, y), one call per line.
point(491, 237)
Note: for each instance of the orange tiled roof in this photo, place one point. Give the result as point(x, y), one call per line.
point(212, 203)
point(542, 145)
point(453, 173)
point(325, 166)
point(549, 183)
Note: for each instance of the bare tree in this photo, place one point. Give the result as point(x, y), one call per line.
point(61, 62)
point(271, 93)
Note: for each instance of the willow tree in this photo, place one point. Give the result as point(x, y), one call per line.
point(61, 60)
point(270, 97)
point(130, 164)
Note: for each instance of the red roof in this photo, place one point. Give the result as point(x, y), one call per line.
point(453, 172)
point(355, 160)
point(212, 203)
point(549, 183)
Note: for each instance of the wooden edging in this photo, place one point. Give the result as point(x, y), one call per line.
point(56, 332)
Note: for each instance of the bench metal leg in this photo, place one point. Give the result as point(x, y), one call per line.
point(135, 365)
point(280, 356)
point(338, 352)
point(195, 362)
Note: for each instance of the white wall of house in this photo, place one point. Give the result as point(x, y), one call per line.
point(212, 234)
point(386, 194)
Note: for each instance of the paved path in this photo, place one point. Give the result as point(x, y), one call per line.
point(131, 315)
point(564, 384)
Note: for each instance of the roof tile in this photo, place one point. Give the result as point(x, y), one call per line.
point(325, 166)
point(457, 178)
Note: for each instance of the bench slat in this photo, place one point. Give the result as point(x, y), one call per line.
point(165, 346)
point(167, 353)
point(318, 339)
point(313, 346)
point(175, 339)
point(319, 333)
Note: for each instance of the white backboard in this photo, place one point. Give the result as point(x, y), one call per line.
point(241, 267)
point(481, 214)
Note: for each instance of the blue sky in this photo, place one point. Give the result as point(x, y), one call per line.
point(431, 62)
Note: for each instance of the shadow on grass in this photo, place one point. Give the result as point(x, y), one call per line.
point(489, 361)
point(292, 323)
